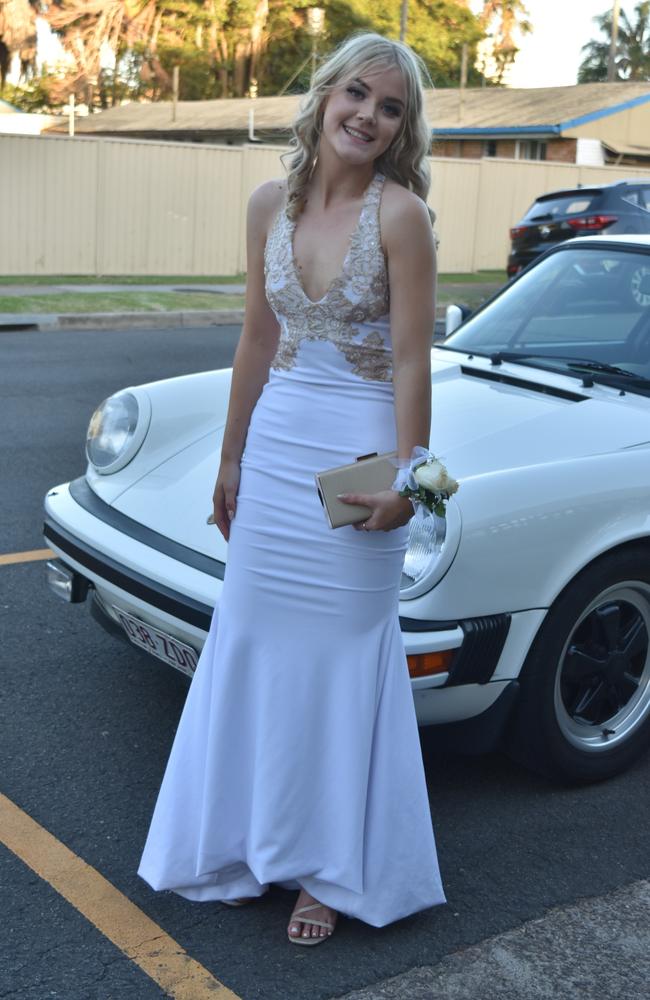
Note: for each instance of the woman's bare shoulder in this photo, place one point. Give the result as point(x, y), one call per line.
point(398, 201)
point(402, 212)
point(266, 199)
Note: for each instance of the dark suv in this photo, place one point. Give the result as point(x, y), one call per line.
point(621, 207)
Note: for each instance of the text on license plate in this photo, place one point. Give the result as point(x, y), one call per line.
point(160, 644)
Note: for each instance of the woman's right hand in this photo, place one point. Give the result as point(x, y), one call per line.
point(224, 498)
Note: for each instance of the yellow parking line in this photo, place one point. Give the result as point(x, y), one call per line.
point(123, 923)
point(17, 557)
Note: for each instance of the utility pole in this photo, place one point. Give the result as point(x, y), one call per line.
point(175, 75)
point(611, 64)
point(315, 26)
point(463, 82)
point(71, 115)
point(403, 20)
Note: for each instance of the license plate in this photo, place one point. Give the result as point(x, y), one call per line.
point(158, 643)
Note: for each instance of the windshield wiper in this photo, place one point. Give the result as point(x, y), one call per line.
point(575, 364)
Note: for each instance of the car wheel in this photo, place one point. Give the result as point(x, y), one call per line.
point(584, 708)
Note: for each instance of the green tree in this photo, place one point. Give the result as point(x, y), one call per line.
point(223, 47)
point(437, 30)
point(632, 57)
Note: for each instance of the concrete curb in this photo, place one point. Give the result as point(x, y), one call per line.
point(596, 949)
point(120, 321)
point(14, 322)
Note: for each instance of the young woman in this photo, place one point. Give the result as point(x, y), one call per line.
point(297, 760)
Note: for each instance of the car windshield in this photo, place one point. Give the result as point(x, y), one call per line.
point(576, 305)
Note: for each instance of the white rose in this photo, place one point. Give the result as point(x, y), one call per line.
point(434, 476)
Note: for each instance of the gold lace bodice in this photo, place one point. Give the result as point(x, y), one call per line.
point(353, 312)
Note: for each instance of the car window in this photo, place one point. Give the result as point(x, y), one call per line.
point(644, 199)
point(633, 198)
point(549, 208)
point(591, 303)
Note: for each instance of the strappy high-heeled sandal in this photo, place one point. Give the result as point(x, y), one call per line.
point(297, 939)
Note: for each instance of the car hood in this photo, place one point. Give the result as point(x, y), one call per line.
point(478, 426)
point(487, 418)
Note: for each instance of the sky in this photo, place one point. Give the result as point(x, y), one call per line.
point(550, 55)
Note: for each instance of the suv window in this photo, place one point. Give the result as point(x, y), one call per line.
point(569, 204)
point(639, 197)
point(634, 197)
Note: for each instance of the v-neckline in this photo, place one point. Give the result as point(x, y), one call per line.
point(342, 270)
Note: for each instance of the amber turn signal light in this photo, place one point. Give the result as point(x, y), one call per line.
point(423, 664)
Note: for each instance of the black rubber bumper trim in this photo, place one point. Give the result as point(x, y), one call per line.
point(421, 625)
point(82, 494)
point(156, 594)
point(476, 659)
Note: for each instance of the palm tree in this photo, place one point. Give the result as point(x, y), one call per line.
point(502, 20)
point(85, 27)
point(17, 34)
point(225, 37)
point(632, 59)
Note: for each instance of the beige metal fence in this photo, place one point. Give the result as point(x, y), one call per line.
point(116, 206)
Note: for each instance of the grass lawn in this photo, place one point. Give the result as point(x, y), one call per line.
point(465, 289)
point(125, 279)
point(479, 277)
point(77, 302)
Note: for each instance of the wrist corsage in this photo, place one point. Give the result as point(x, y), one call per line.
point(425, 481)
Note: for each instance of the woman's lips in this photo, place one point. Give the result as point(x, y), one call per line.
point(357, 134)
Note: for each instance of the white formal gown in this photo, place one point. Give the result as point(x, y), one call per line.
point(297, 760)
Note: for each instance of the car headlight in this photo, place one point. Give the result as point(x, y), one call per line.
point(432, 545)
point(117, 429)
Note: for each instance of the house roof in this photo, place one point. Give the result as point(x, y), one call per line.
point(483, 111)
point(496, 110)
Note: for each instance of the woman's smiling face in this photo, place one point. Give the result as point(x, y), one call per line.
point(364, 114)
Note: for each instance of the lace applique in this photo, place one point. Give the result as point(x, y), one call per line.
point(370, 359)
point(358, 296)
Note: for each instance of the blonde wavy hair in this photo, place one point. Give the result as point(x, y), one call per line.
point(405, 160)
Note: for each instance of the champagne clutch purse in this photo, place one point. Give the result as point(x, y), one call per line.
point(369, 474)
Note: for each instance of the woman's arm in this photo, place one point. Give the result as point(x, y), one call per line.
point(412, 278)
point(255, 351)
point(410, 249)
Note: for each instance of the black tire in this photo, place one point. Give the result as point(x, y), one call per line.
point(584, 708)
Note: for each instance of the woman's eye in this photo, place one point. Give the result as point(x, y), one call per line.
point(355, 92)
point(391, 110)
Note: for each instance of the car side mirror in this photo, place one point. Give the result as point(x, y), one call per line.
point(455, 316)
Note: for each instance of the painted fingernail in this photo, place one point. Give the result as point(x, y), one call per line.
point(231, 514)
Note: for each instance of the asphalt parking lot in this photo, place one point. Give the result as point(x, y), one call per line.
point(86, 726)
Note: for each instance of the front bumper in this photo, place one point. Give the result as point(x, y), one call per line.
point(82, 530)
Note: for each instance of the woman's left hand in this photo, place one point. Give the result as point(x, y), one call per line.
point(389, 509)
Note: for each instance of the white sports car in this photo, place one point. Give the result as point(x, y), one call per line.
point(526, 613)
